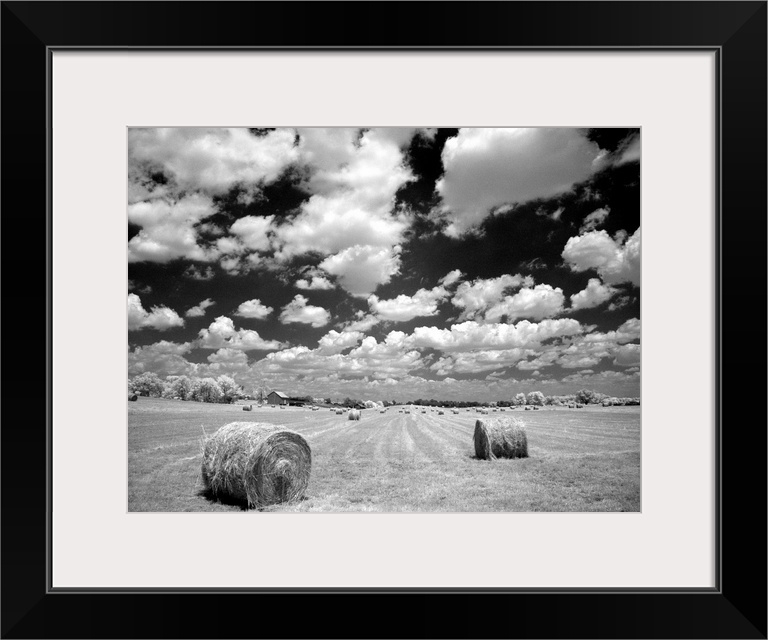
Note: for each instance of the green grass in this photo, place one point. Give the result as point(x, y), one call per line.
point(580, 460)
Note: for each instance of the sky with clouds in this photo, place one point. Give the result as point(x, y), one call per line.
point(390, 263)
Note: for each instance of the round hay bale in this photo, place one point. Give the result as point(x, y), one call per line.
point(256, 463)
point(247, 407)
point(527, 408)
point(339, 412)
point(354, 414)
point(441, 413)
point(500, 438)
point(133, 397)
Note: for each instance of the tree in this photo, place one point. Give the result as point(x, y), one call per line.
point(585, 396)
point(146, 384)
point(178, 387)
point(519, 399)
point(536, 398)
point(230, 390)
point(206, 390)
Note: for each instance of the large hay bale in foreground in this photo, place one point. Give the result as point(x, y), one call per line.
point(500, 438)
point(354, 414)
point(256, 463)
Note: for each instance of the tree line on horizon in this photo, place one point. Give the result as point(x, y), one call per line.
point(224, 389)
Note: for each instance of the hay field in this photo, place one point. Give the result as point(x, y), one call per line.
point(580, 459)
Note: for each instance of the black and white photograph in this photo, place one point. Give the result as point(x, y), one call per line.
point(378, 319)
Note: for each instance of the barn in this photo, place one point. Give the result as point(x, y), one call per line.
point(276, 397)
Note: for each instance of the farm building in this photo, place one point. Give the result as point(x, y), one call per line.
point(276, 397)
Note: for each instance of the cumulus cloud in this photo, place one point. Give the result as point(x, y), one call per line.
point(199, 310)
point(593, 295)
point(160, 318)
point(168, 229)
point(364, 322)
point(402, 308)
point(163, 358)
point(475, 297)
point(360, 269)
point(212, 160)
point(541, 301)
point(252, 232)
point(336, 342)
point(615, 260)
point(253, 309)
point(314, 280)
point(594, 220)
point(299, 311)
point(489, 168)
point(353, 179)
point(381, 360)
point(221, 334)
point(628, 355)
point(471, 335)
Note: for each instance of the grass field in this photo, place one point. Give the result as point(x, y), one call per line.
point(580, 459)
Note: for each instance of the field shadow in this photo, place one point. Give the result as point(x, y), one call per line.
point(240, 504)
point(222, 499)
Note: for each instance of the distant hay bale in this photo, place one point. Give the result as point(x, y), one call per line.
point(256, 463)
point(441, 413)
point(527, 408)
point(247, 407)
point(339, 412)
point(500, 438)
point(133, 397)
point(354, 414)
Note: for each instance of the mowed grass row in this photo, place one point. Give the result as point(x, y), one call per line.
point(580, 459)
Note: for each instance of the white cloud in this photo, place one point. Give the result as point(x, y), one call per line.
point(593, 295)
point(253, 309)
point(221, 334)
point(353, 179)
point(477, 296)
point(594, 220)
point(199, 310)
point(478, 361)
point(163, 358)
point(451, 278)
point(628, 355)
point(160, 318)
point(471, 335)
point(167, 229)
point(615, 261)
point(629, 151)
point(402, 308)
point(336, 342)
point(316, 283)
point(488, 168)
point(299, 311)
point(212, 160)
point(542, 301)
point(363, 323)
point(360, 269)
point(252, 231)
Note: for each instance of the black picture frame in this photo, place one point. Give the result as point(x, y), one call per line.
point(735, 608)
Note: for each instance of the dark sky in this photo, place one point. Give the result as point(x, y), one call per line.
point(387, 263)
